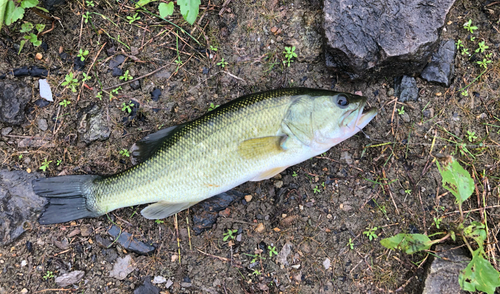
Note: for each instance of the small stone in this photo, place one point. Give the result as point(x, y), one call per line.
point(344, 155)
point(185, 285)
point(45, 91)
point(6, 131)
point(285, 251)
point(174, 258)
point(225, 213)
point(326, 263)
point(390, 92)
point(298, 277)
point(260, 228)
point(42, 124)
point(24, 291)
point(248, 198)
point(428, 113)
point(24, 263)
point(482, 116)
point(406, 88)
point(38, 56)
point(69, 278)
point(85, 231)
point(159, 280)
point(169, 283)
point(278, 184)
point(147, 287)
point(405, 117)
point(135, 85)
point(122, 267)
point(274, 30)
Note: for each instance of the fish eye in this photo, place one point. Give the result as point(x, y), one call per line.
point(342, 101)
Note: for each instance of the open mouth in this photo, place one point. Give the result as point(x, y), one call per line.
point(365, 116)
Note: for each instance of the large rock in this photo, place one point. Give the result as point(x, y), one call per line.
point(19, 205)
point(13, 98)
point(441, 67)
point(442, 277)
point(382, 38)
point(94, 126)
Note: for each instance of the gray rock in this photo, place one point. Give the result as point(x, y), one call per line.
point(129, 242)
point(283, 255)
point(135, 85)
point(441, 67)
point(382, 38)
point(93, 126)
point(6, 131)
point(19, 205)
point(14, 96)
point(116, 61)
point(442, 276)
point(406, 89)
point(69, 278)
point(344, 155)
point(147, 288)
point(405, 117)
point(42, 124)
point(122, 267)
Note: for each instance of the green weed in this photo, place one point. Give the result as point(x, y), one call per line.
point(289, 54)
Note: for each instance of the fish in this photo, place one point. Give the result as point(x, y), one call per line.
point(251, 138)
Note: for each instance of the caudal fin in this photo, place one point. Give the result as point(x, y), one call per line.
point(68, 198)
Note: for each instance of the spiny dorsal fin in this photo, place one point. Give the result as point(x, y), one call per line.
point(144, 148)
point(164, 209)
point(258, 148)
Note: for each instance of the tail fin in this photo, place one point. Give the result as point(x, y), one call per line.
point(68, 198)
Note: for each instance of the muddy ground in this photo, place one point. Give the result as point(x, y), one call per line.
point(319, 208)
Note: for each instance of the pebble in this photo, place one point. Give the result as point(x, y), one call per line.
point(42, 124)
point(122, 267)
point(85, 231)
point(278, 184)
point(326, 263)
point(405, 117)
point(298, 277)
point(159, 280)
point(346, 156)
point(69, 278)
point(248, 198)
point(260, 228)
point(24, 291)
point(6, 131)
point(24, 263)
point(147, 288)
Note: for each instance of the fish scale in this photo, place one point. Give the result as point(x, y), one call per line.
point(250, 138)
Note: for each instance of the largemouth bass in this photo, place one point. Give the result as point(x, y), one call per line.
point(251, 138)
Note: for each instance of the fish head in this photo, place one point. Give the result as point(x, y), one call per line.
point(322, 119)
point(337, 117)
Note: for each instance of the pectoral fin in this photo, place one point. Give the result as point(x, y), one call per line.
point(164, 209)
point(259, 148)
point(268, 174)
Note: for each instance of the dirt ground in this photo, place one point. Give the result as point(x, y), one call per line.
point(317, 209)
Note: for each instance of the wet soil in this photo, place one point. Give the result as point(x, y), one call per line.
point(317, 211)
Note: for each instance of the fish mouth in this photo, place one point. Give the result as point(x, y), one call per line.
point(365, 116)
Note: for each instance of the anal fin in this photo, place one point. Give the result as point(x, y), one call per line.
point(269, 173)
point(164, 209)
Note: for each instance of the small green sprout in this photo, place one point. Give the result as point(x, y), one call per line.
point(401, 111)
point(39, 27)
point(26, 27)
point(127, 107)
point(459, 44)
point(482, 47)
point(289, 54)
point(126, 76)
point(465, 51)
point(65, 103)
point(85, 77)
point(212, 107)
point(408, 191)
point(222, 63)
point(213, 48)
point(89, 3)
point(124, 152)
point(99, 95)
point(350, 244)
point(58, 162)
point(230, 234)
point(133, 18)
point(256, 272)
point(272, 250)
point(294, 174)
point(316, 190)
point(71, 82)
point(370, 233)
point(437, 222)
point(159, 221)
point(45, 164)
point(87, 17)
point(48, 275)
point(484, 63)
point(471, 136)
point(20, 156)
point(468, 26)
point(82, 54)
point(464, 93)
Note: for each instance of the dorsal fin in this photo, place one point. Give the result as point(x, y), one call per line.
point(144, 148)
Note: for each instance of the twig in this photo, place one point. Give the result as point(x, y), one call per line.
point(176, 224)
point(220, 258)
point(47, 290)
